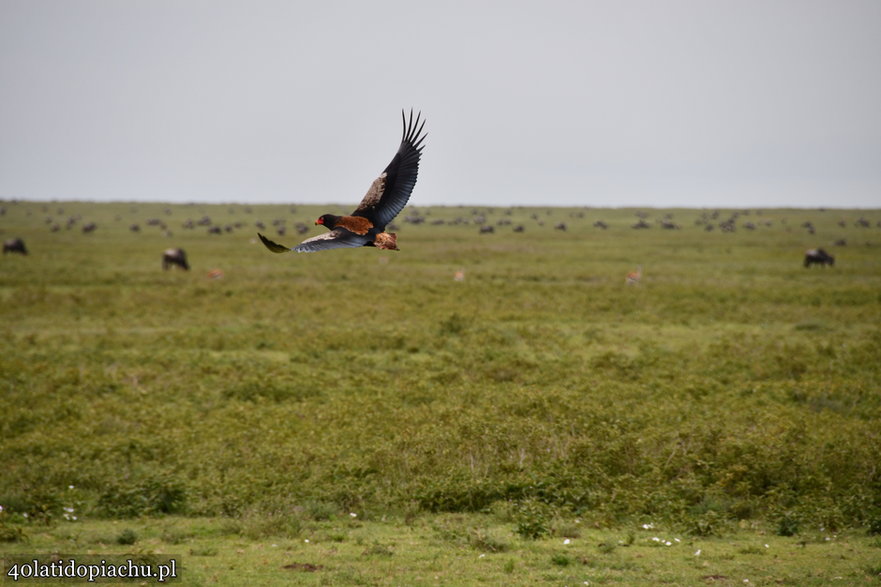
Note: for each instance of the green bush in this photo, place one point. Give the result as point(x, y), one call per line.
point(533, 519)
point(155, 495)
point(127, 537)
point(10, 532)
point(874, 523)
point(788, 525)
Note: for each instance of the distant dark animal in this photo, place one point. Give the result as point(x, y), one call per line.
point(728, 225)
point(818, 257)
point(600, 224)
point(14, 245)
point(519, 228)
point(487, 229)
point(560, 226)
point(89, 227)
point(175, 257)
point(386, 197)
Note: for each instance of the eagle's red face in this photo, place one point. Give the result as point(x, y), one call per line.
point(327, 220)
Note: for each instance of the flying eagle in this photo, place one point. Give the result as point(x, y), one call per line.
point(387, 196)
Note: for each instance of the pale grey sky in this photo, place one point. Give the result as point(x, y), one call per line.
point(703, 103)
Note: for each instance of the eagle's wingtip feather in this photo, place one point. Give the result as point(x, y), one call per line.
point(272, 246)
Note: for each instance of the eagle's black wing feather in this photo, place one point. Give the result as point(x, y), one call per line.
point(390, 192)
point(335, 239)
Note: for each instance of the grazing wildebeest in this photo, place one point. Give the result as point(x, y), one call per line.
point(14, 245)
point(175, 257)
point(487, 229)
point(819, 257)
point(89, 227)
point(728, 225)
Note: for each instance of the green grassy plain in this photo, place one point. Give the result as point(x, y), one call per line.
point(731, 398)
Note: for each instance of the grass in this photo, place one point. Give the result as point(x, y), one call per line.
point(731, 397)
point(466, 549)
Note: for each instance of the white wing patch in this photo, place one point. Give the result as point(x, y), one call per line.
point(374, 194)
point(335, 239)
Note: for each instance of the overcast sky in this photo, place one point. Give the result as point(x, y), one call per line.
point(700, 103)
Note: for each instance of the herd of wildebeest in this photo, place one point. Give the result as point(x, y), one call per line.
point(177, 257)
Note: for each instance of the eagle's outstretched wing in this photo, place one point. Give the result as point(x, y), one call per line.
point(389, 193)
point(335, 239)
